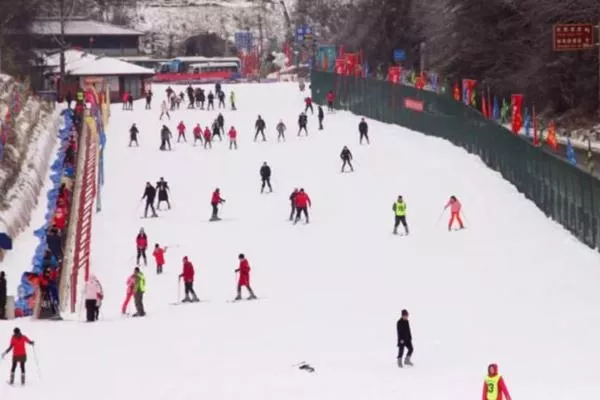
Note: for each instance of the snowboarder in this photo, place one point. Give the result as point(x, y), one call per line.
point(207, 138)
point(293, 204)
point(308, 105)
point(141, 242)
point(346, 157)
point(211, 101)
point(197, 134)
point(164, 110)
point(330, 100)
point(216, 130)
point(399, 209)
point(149, 99)
point(215, 200)
point(149, 195)
point(181, 132)
point(302, 121)
point(221, 96)
point(159, 257)
point(139, 289)
point(133, 132)
point(302, 202)
point(2, 295)
point(129, 293)
point(494, 387)
point(455, 208)
point(321, 116)
point(404, 340)
point(221, 122)
point(232, 100)
point(17, 345)
point(188, 281)
point(165, 138)
point(363, 130)
point(265, 176)
point(232, 138)
point(244, 278)
point(93, 297)
point(260, 126)
point(163, 193)
point(281, 128)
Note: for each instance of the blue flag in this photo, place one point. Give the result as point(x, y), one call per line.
point(527, 123)
point(571, 153)
point(496, 111)
point(366, 69)
point(464, 96)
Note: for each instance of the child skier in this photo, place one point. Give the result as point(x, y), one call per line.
point(244, 278)
point(455, 208)
point(188, 281)
point(346, 157)
point(293, 204)
point(197, 134)
point(207, 138)
point(301, 202)
point(308, 105)
point(215, 200)
point(181, 132)
point(494, 387)
point(159, 257)
point(260, 126)
point(232, 138)
point(141, 242)
point(17, 345)
point(363, 130)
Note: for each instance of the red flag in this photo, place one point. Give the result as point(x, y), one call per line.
point(552, 135)
point(340, 65)
point(536, 139)
point(517, 116)
point(394, 74)
point(484, 107)
point(456, 92)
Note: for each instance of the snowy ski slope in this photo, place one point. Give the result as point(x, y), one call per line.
point(514, 288)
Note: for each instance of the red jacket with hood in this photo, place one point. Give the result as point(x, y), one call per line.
point(188, 271)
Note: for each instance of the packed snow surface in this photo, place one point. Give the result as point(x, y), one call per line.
point(513, 288)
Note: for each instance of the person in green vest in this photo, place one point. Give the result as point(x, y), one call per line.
point(139, 289)
point(494, 387)
point(80, 95)
point(399, 209)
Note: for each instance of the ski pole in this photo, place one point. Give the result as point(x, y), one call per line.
point(440, 217)
point(37, 364)
point(178, 289)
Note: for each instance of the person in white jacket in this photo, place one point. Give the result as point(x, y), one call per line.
point(164, 110)
point(93, 298)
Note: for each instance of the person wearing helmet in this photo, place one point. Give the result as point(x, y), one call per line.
point(281, 130)
point(17, 345)
point(494, 387)
point(260, 126)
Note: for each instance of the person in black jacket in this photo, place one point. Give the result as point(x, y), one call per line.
point(149, 195)
point(293, 204)
point(363, 129)
point(404, 339)
point(265, 176)
point(211, 101)
point(133, 132)
point(321, 116)
point(54, 243)
point(2, 295)
point(221, 122)
point(149, 99)
point(260, 126)
point(346, 157)
point(163, 192)
point(302, 121)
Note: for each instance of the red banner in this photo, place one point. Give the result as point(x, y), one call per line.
point(352, 63)
point(340, 64)
point(468, 87)
point(517, 112)
point(394, 74)
point(572, 37)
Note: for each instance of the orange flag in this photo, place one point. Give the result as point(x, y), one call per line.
point(552, 135)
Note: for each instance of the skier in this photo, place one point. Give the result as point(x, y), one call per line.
point(169, 90)
point(130, 101)
point(455, 208)
point(165, 138)
point(363, 129)
point(197, 134)
point(221, 122)
point(221, 96)
point(308, 105)
point(215, 200)
point(211, 101)
point(202, 98)
point(302, 121)
point(399, 209)
point(281, 128)
point(197, 98)
point(93, 296)
point(190, 94)
point(164, 110)
point(404, 339)
point(260, 126)
point(330, 100)
point(149, 99)
point(217, 87)
point(163, 193)
point(188, 281)
point(293, 204)
point(129, 294)
point(232, 100)
point(17, 345)
point(216, 130)
point(149, 195)
point(265, 176)
point(494, 387)
point(232, 138)
point(141, 242)
point(159, 257)
point(139, 289)
point(346, 157)
point(133, 132)
point(244, 278)
point(302, 202)
point(2, 295)
point(321, 116)
point(207, 138)
point(181, 132)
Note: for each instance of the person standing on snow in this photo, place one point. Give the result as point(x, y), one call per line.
point(330, 100)
point(281, 130)
point(308, 105)
point(494, 387)
point(133, 132)
point(17, 345)
point(188, 281)
point(211, 101)
point(265, 176)
point(216, 130)
point(221, 95)
point(221, 123)
point(181, 132)
point(293, 204)
point(149, 99)
point(244, 278)
point(399, 209)
point(321, 116)
point(232, 100)
point(159, 257)
point(302, 122)
point(455, 208)
point(302, 202)
point(165, 138)
point(363, 130)
point(141, 242)
point(260, 126)
point(346, 157)
point(139, 290)
point(215, 200)
point(207, 138)
point(232, 138)
point(197, 134)
point(404, 339)
point(164, 110)
point(93, 293)
point(129, 293)
point(163, 192)
point(149, 195)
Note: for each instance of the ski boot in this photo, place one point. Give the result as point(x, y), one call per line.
point(237, 298)
point(186, 299)
point(400, 362)
point(195, 299)
point(252, 297)
point(408, 362)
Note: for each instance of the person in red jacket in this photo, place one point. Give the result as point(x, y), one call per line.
point(188, 281)
point(494, 387)
point(232, 138)
point(159, 257)
point(17, 345)
point(330, 100)
point(302, 202)
point(309, 106)
point(207, 138)
point(197, 134)
point(181, 131)
point(215, 200)
point(141, 242)
point(244, 278)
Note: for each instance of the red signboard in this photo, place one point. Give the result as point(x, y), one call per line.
point(572, 37)
point(415, 105)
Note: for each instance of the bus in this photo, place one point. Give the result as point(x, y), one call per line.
point(197, 69)
point(145, 61)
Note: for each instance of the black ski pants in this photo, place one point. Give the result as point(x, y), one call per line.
point(281, 135)
point(90, 310)
point(189, 290)
point(309, 107)
point(302, 127)
point(262, 132)
point(3, 307)
point(141, 253)
point(232, 144)
point(348, 163)
point(300, 211)
point(138, 300)
point(363, 136)
point(149, 204)
point(400, 219)
point(20, 361)
point(409, 347)
point(215, 210)
point(266, 181)
point(320, 124)
point(293, 211)
point(211, 105)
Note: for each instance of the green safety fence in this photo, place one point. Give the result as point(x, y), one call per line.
point(562, 191)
